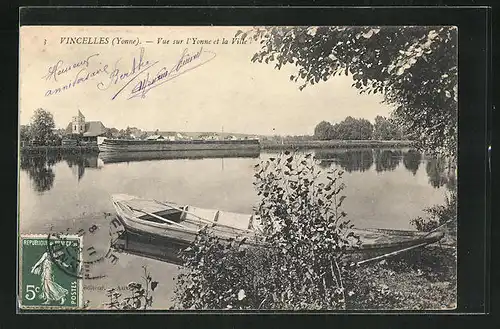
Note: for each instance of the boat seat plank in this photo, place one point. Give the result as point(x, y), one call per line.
point(146, 205)
point(240, 221)
point(192, 212)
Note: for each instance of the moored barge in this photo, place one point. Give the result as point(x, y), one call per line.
point(134, 145)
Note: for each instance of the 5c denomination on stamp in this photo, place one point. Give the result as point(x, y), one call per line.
point(43, 282)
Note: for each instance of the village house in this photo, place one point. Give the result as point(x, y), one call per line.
point(171, 136)
point(89, 130)
point(210, 136)
point(176, 136)
point(155, 137)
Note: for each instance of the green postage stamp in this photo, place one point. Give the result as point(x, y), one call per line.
point(49, 268)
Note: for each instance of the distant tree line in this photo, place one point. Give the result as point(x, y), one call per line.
point(359, 129)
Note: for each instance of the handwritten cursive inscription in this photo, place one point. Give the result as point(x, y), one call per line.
point(139, 65)
point(81, 77)
point(163, 75)
point(59, 68)
point(138, 80)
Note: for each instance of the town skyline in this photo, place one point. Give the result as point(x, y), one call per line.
point(222, 131)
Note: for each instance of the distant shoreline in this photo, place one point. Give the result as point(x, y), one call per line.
point(333, 144)
point(265, 145)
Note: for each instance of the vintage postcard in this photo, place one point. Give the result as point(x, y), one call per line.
point(237, 168)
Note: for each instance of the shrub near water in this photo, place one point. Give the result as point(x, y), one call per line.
point(438, 215)
point(306, 234)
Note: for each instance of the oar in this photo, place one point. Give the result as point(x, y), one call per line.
point(204, 219)
point(394, 253)
point(437, 228)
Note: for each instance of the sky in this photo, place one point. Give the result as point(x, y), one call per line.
point(219, 88)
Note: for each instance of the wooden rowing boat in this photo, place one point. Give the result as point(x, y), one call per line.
point(178, 225)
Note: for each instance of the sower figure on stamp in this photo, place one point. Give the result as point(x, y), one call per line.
point(51, 290)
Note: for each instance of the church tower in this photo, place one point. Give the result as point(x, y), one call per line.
point(78, 124)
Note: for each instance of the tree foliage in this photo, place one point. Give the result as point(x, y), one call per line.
point(438, 215)
point(353, 129)
point(415, 69)
point(323, 130)
point(24, 133)
point(41, 126)
point(386, 129)
point(348, 129)
point(305, 234)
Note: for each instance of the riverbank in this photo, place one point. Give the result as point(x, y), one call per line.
point(423, 279)
point(315, 144)
point(265, 145)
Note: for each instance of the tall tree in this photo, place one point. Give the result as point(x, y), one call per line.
point(323, 130)
point(42, 124)
point(365, 129)
point(385, 129)
point(415, 68)
point(353, 129)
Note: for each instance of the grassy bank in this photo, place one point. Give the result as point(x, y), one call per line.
point(71, 149)
point(332, 144)
point(419, 280)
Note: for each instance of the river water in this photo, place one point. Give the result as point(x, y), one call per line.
point(384, 189)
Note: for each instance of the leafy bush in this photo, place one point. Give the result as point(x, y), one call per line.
point(438, 215)
point(304, 236)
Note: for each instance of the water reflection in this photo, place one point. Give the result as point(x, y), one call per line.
point(440, 174)
point(386, 160)
point(411, 161)
point(362, 160)
point(150, 246)
point(78, 163)
point(39, 167)
point(348, 160)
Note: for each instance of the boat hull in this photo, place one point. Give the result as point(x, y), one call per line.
point(168, 249)
point(166, 246)
point(134, 156)
point(150, 245)
point(116, 145)
point(374, 242)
